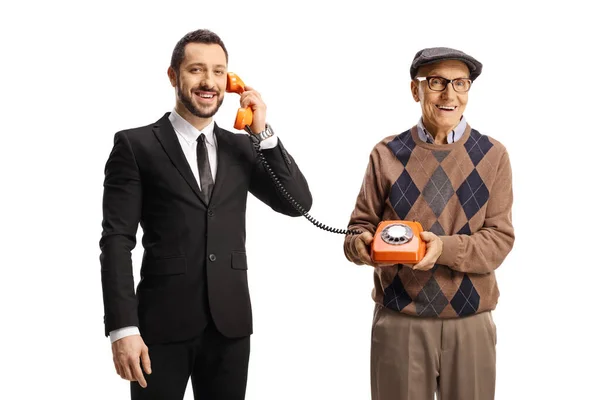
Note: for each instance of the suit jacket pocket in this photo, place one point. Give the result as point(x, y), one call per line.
point(238, 260)
point(166, 266)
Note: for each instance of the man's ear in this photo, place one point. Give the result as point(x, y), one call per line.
point(172, 76)
point(414, 89)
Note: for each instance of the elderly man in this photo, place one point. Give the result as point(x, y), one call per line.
point(432, 330)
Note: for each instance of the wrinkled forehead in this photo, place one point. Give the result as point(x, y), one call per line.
point(446, 68)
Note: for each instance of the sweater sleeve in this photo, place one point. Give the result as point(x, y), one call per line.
point(369, 206)
point(483, 251)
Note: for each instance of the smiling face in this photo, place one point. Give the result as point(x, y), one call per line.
point(441, 110)
point(201, 80)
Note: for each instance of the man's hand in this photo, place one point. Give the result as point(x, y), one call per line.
point(251, 98)
point(126, 356)
point(362, 245)
point(434, 250)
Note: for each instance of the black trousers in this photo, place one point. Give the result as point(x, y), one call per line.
point(218, 367)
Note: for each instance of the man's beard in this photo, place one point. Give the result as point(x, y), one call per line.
point(187, 102)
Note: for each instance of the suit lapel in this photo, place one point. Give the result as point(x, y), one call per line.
point(164, 132)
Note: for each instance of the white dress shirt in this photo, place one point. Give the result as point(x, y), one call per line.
point(188, 135)
point(452, 137)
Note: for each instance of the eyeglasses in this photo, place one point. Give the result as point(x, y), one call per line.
point(439, 84)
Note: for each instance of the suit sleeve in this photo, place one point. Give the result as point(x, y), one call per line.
point(121, 207)
point(289, 175)
point(483, 251)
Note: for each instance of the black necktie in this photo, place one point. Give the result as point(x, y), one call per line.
point(206, 181)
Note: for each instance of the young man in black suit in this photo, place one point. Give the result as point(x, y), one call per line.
point(186, 181)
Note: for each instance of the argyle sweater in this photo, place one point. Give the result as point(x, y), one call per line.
point(462, 192)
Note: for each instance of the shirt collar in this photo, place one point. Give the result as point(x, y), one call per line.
point(189, 132)
point(453, 136)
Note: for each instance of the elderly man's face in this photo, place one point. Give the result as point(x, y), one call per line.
point(441, 110)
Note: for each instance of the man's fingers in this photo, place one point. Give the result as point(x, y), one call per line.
point(246, 102)
point(366, 238)
point(127, 353)
point(360, 247)
point(117, 366)
point(137, 373)
point(426, 263)
point(363, 253)
point(366, 259)
point(433, 251)
point(146, 361)
point(422, 265)
point(251, 89)
point(251, 99)
point(428, 236)
point(126, 372)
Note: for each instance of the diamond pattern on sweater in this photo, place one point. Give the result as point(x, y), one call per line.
point(440, 155)
point(438, 191)
point(437, 229)
point(431, 300)
point(395, 296)
point(403, 194)
point(466, 300)
point(477, 146)
point(432, 188)
point(465, 230)
point(402, 146)
point(473, 194)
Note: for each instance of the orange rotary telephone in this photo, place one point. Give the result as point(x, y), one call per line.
point(398, 242)
point(244, 115)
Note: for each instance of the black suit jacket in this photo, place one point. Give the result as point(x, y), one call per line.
point(194, 264)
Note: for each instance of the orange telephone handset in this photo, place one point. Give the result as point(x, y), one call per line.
point(398, 242)
point(244, 115)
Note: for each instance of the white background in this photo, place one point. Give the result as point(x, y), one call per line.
point(335, 78)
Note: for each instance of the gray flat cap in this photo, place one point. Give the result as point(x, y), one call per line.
point(435, 54)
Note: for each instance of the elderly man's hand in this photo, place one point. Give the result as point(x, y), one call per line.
point(434, 250)
point(362, 245)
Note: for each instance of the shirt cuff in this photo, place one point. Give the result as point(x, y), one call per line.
point(269, 143)
point(121, 333)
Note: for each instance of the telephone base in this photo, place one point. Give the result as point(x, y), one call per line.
point(398, 242)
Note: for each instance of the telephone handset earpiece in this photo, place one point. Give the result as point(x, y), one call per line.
point(244, 115)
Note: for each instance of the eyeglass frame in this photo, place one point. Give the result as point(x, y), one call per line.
point(448, 81)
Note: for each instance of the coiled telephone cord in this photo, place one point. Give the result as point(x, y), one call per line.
point(292, 201)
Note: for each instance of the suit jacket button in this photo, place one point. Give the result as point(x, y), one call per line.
point(210, 213)
point(212, 257)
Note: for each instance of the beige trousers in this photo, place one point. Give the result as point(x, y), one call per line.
point(412, 358)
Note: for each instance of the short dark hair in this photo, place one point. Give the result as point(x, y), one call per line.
point(198, 36)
